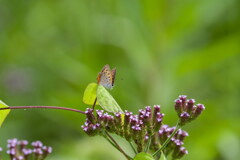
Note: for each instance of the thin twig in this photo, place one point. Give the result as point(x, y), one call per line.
point(111, 143)
point(148, 144)
point(94, 104)
point(46, 107)
point(121, 150)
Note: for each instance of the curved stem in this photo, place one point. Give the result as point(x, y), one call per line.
point(121, 150)
point(148, 144)
point(111, 142)
point(167, 141)
point(46, 107)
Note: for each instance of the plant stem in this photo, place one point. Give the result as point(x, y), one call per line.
point(94, 104)
point(47, 107)
point(131, 144)
point(148, 144)
point(167, 141)
point(120, 149)
point(111, 142)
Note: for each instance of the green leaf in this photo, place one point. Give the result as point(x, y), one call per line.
point(3, 113)
point(162, 157)
point(143, 156)
point(89, 95)
point(106, 101)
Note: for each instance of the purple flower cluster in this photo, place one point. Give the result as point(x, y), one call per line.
point(18, 150)
point(175, 145)
point(145, 128)
point(90, 126)
point(187, 110)
point(131, 127)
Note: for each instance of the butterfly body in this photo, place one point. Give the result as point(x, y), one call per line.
point(106, 77)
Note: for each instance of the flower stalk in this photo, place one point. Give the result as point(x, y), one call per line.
point(167, 141)
point(46, 107)
point(119, 148)
point(145, 129)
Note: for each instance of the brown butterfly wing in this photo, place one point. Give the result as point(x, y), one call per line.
point(104, 69)
point(105, 77)
point(113, 72)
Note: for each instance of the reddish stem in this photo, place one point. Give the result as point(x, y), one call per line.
point(94, 104)
point(47, 107)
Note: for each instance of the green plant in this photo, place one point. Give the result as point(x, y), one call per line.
point(145, 132)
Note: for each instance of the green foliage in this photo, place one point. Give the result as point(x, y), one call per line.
point(51, 50)
point(104, 98)
point(3, 113)
point(90, 94)
point(143, 156)
point(106, 101)
point(162, 157)
point(147, 156)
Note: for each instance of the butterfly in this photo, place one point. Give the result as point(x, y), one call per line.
point(106, 77)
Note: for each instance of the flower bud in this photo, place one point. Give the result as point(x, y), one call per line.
point(141, 114)
point(177, 145)
point(37, 144)
point(46, 151)
point(183, 98)
point(181, 153)
point(105, 119)
point(118, 118)
point(198, 110)
point(26, 152)
point(148, 109)
point(184, 118)
point(169, 130)
point(89, 114)
point(181, 134)
point(91, 129)
point(157, 108)
point(85, 128)
point(99, 113)
point(136, 131)
point(118, 123)
point(22, 144)
point(18, 150)
point(111, 127)
point(133, 120)
point(158, 121)
point(190, 104)
point(38, 151)
point(178, 106)
point(163, 133)
point(146, 137)
point(145, 119)
point(155, 111)
point(127, 119)
point(12, 143)
point(11, 151)
point(20, 158)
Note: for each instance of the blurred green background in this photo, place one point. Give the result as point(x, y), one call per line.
point(51, 49)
